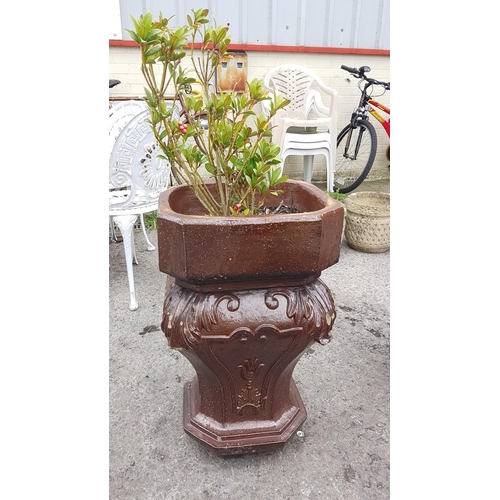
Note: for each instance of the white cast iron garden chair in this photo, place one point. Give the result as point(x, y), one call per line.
point(298, 126)
point(136, 178)
point(120, 115)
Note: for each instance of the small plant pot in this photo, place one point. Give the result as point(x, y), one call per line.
point(367, 221)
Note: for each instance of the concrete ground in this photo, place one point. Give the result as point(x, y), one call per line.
point(344, 450)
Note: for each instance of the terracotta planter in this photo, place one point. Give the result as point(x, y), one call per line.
point(243, 301)
point(367, 221)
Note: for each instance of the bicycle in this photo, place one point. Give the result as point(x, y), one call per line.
point(357, 141)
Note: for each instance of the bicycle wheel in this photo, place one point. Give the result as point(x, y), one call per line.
point(351, 168)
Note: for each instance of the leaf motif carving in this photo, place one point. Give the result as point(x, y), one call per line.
point(310, 306)
point(186, 314)
point(249, 396)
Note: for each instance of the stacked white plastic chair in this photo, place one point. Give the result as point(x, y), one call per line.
point(136, 178)
point(305, 127)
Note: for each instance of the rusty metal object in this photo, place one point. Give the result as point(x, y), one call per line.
point(244, 325)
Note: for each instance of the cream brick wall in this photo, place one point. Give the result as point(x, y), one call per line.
point(124, 65)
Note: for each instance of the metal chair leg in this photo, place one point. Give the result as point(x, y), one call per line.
point(151, 247)
point(126, 225)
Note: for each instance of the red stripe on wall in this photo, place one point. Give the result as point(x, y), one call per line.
point(277, 48)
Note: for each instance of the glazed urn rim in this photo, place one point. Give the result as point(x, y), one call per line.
point(210, 253)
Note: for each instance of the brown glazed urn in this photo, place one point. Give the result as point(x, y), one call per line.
point(243, 301)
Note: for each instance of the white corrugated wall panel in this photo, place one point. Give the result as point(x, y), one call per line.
point(362, 24)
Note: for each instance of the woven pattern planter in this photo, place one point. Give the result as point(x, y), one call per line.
point(367, 221)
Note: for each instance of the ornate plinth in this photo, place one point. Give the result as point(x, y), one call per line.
point(244, 346)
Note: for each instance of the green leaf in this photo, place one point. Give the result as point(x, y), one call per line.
point(151, 51)
point(275, 176)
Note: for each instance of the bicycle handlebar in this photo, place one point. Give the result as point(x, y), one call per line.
point(354, 71)
point(360, 73)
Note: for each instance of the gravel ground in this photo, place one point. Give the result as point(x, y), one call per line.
point(344, 450)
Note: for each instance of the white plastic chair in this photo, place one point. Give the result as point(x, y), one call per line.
point(294, 145)
point(136, 178)
point(298, 126)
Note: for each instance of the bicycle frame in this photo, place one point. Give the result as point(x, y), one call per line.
point(371, 105)
point(367, 105)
